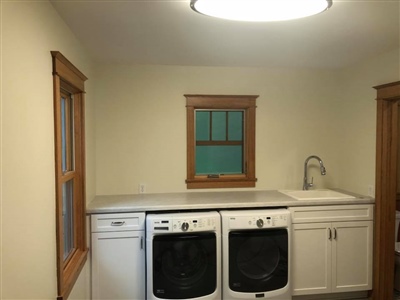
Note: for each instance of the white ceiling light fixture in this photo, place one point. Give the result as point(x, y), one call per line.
point(260, 10)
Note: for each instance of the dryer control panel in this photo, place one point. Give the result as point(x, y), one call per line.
point(182, 223)
point(261, 220)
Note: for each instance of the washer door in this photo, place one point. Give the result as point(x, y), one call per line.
point(184, 265)
point(258, 260)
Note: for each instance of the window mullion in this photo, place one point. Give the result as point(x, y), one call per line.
point(226, 126)
point(211, 125)
point(68, 176)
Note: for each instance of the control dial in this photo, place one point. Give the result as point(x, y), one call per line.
point(260, 223)
point(185, 226)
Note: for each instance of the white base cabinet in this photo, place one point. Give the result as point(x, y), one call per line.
point(332, 249)
point(118, 256)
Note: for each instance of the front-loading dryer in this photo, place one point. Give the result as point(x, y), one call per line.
point(256, 254)
point(183, 255)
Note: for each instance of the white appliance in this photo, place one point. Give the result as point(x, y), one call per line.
point(256, 254)
point(183, 256)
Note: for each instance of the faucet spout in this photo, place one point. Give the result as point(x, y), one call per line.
point(307, 184)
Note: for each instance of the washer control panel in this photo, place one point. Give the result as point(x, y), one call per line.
point(182, 223)
point(193, 224)
point(260, 220)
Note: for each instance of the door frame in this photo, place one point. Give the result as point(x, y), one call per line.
point(388, 96)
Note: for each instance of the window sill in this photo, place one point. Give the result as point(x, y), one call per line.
point(227, 182)
point(72, 271)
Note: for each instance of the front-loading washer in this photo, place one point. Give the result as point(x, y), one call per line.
point(256, 254)
point(183, 255)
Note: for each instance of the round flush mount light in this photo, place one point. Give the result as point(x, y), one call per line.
point(260, 10)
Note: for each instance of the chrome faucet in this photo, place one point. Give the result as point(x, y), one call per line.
point(307, 184)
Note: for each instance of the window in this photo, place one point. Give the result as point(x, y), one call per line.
point(220, 141)
point(70, 172)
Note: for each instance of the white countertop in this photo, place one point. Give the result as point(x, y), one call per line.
point(208, 200)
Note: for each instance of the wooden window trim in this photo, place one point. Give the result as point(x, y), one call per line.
point(248, 104)
point(66, 77)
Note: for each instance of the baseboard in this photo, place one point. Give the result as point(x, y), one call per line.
point(336, 296)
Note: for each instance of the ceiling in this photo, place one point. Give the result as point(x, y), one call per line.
point(168, 32)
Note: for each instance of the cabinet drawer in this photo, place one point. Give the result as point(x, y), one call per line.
point(118, 222)
point(309, 214)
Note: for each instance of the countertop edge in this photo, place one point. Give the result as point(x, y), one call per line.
point(103, 204)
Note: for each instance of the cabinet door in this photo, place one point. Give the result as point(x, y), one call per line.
point(118, 265)
point(311, 258)
point(352, 256)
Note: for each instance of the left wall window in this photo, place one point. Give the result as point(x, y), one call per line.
point(69, 125)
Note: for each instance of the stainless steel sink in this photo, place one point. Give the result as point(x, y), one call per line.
point(323, 194)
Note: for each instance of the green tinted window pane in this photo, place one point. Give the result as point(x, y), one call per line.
point(219, 160)
point(202, 125)
point(235, 126)
point(218, 126)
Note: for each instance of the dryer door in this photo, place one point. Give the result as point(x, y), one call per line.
point(258, 260)
point(184, 265)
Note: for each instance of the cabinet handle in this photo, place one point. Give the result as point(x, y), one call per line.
point(119, 223)
point(330, 234)
point(141, 243)
point(335, 233)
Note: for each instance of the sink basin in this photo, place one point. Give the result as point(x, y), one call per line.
point(316, 194)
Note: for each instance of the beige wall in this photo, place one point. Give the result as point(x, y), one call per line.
point(356, 118)
point(30, 30)
point(141, 123)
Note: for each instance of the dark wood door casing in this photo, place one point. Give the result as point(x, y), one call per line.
point(388, 97)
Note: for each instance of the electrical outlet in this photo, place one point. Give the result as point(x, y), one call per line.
point(142, 188)
point(371, 190)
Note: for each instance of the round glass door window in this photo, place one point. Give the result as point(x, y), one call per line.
point(184, 265)
point(258, 260)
